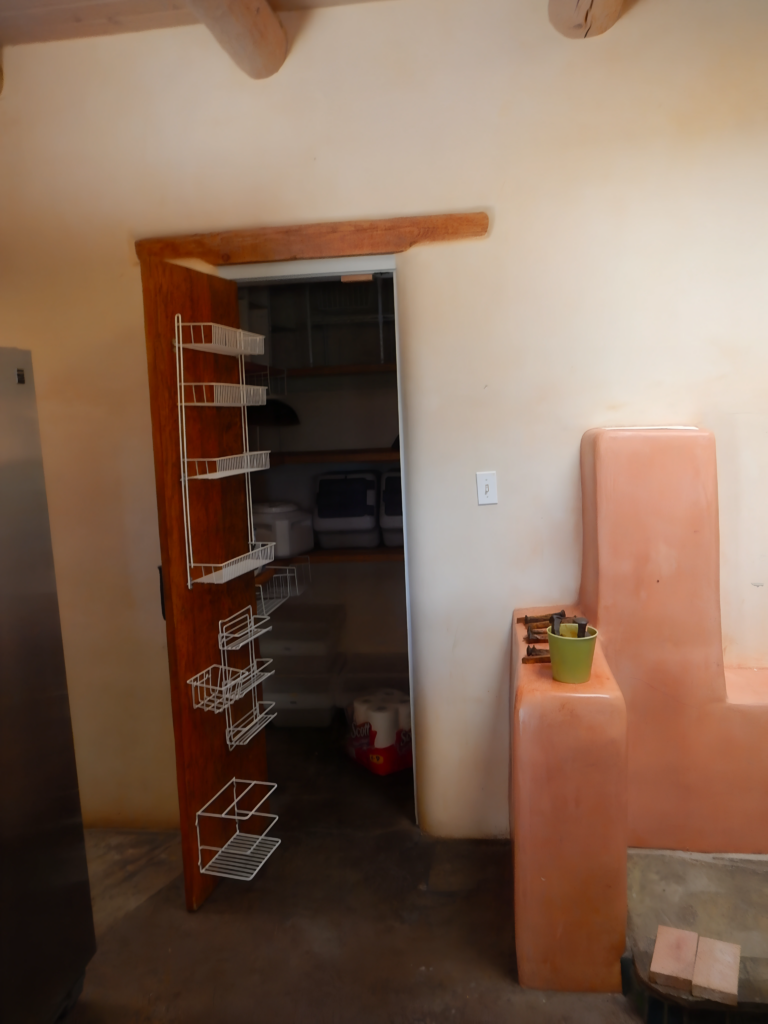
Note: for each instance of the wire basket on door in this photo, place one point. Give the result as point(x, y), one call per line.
point(233, 833)
point(219, 686)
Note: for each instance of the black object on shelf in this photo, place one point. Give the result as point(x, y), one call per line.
point(274, 414)
point(343, 498)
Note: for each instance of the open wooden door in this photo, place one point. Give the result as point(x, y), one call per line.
point(204, 764)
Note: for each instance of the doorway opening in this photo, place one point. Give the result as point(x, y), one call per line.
point(332, 503)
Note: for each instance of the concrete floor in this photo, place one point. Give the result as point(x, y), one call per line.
point(357, 917)
point(360, 917)
point(125, 868)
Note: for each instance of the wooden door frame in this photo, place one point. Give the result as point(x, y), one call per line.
point(315, 241)
point(227, 248)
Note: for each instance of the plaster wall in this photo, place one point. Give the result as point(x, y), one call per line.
point(622, 283)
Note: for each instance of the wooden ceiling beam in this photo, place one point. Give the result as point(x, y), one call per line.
point(582, 19)
point(249, 31)
point(315, 241)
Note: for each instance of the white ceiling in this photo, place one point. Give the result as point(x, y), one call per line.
point(37, 21)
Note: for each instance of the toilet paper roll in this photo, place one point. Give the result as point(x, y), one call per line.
point(383, 719)
point(362, 706)
point(404, 715)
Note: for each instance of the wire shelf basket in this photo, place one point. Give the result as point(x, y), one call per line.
point(228, 395)
point(242, 729)
point(241, 628)
point(227, 341)
point(217, 687)
point(273, 378)
point(229, 465)
point(287, 581)
point(254, 561)
point(230, 341)
point(233, 838)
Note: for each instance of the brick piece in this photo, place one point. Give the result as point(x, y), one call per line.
point(674, 956)
point(716, 974)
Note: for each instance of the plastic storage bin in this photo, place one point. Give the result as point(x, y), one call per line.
point(391, 509)
point(286, 525)
point(346, 510)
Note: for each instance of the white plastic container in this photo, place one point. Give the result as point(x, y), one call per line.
point(346, 510)
point(286, 525)
point(391, 509)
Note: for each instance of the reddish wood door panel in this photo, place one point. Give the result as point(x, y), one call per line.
point(203, 762)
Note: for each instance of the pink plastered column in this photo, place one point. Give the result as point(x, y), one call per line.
point(568, 807)
point(697, 761)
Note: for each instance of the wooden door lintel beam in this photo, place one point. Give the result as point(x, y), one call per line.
point(315, 241)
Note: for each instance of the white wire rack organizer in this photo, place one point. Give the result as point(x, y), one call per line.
point(243, 723)
point(287, 581)
point(226, 341)
point(231, 396)
point(229, 465)
point(223, 687)
point(217, 687)
point(233, 837)
point(214, 338)
point(242, 628)
point(256, 559)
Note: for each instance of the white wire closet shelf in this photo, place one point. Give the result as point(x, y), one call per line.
point(287, 581)
point(242, 729)
point(217, 687)
point(233, 834)
point(225, 341)
point(254, 561)
point(224, 395)
point(242, 628)
point(235, 396)
point(228, 465)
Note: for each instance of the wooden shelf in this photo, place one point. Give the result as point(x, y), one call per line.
point(320, 556)
point(340, 455)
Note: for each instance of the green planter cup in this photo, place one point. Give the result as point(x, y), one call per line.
point(571, 656)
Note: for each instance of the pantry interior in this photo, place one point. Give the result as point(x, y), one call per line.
point(331, 499)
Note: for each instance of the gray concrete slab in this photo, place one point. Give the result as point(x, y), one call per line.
point(127, 867)
point(357, 917)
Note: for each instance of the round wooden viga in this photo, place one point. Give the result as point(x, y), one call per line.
point(583, 19)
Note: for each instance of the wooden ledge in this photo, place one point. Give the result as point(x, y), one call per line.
point(315, 241)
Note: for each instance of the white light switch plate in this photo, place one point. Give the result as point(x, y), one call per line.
point(486, 488)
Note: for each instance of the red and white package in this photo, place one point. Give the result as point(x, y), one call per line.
point(379, 734)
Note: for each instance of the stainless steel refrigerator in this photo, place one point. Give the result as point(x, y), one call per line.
point(46, 924)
